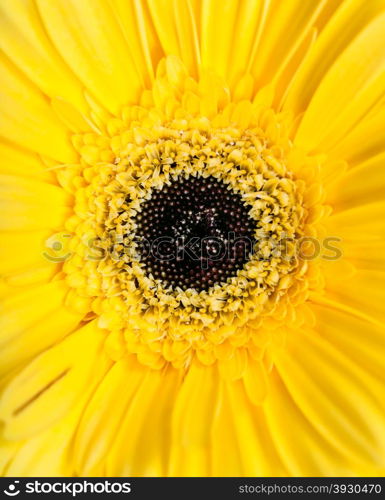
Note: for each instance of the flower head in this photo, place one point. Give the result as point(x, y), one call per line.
point(192, 270)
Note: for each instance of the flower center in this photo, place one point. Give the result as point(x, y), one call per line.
point(195, 225)
point(194, 233)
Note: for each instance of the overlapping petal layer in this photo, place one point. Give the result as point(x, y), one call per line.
point(312, 406)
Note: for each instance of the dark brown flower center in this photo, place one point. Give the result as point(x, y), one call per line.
point(194, 233)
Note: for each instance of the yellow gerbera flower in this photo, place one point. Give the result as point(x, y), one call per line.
point(192, 237)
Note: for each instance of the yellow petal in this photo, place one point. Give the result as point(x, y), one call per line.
point(30, 204)
point(366, 254)
point(347, 92)
point(365, 291)
point(187, 30)
point(30, 216)
point(8, 450)
point(250, 21)
point(37, 337)
point(15, 161)
point(22, 251)
point(147, 419)
point(99, 426)
point(25, 41)
point(337, 397)
point(170, 29)
point(192, 419)
point(33, 319)
point(361, 185)
point(288, 71)
point(234, 367)
point(255, 380)
point(226, 452)
point(302, 449)
point(287, 25)
point(71, 117)
point(52, 383)
point(364, 141)
point(241, 443)
point(28, 120)
point(28, 307)
point(344, 25)
point(46, 454)
point(134, 19)
point(366, 222)
point(359, 340)
point(217, 34)
point(50, 453)
point(32, 191)
point(88, 37)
